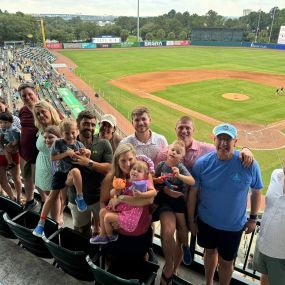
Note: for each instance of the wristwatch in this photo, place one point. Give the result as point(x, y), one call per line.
point(90, 164)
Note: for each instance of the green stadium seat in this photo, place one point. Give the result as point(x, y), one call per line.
point(22, 226)
point(136, 273)
point(12, 209)
point(69, 248)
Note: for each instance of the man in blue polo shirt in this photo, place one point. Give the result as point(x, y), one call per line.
point(223, 184)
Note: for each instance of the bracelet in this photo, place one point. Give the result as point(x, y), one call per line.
point(251, 220)
point(252, 217)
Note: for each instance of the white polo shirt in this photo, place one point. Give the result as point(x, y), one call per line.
point(151, 148)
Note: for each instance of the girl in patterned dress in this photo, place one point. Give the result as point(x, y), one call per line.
point(124, 215)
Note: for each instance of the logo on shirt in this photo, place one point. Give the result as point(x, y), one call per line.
point(236, 177)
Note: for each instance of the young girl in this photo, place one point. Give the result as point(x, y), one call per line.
point(173, 174)
point(126, 216)
point(64, 152)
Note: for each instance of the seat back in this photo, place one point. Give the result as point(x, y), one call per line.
point(22, 226)
point(69, 248)
point(12, 209)
point(103, 277)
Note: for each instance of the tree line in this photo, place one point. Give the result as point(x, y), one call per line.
point(171, 26)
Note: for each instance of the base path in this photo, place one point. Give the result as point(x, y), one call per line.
point(250, 135)
point(123, 123)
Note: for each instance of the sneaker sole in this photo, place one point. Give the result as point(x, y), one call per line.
point(99, 242)
point(38, 235)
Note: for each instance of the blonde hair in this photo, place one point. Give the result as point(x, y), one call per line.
point(48, 107)
point(179, 144)
point(66, 124)
point(142, 165)
point(121, 149)
point(53, 129)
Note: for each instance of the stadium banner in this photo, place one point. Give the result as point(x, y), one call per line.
point(54, 45)
point(130, 44)
point(71, 101)
point(181, 43)
point(153, 43)
point(71, 45)
point(281, 38)
point(88, 45)
point(170, 43)
point(104, 45)
point(279, 46)
point(118, 45)
point(258, 45)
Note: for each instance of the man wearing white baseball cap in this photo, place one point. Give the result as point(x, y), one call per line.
point(223, 184)
point(107, 130)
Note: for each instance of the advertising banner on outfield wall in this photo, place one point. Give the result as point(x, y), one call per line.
point(178, 43)
point(88, 45)
point(54, 45)
point(281, 38)
point(152, 44)
point(72, 45)
point(104, 45)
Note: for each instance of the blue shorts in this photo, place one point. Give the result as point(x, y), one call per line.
point(226, 242)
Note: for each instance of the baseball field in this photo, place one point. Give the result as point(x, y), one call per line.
point(212, 85)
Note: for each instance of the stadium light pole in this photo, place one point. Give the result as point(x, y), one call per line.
point(138, 22)
point(274, 9)
point(257, 28)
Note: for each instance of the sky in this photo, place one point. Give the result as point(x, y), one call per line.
point(129, 7)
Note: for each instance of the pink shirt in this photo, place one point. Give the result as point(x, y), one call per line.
point(193, 152)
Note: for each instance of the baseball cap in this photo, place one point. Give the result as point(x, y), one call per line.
point(109, 119)
point(225, 129)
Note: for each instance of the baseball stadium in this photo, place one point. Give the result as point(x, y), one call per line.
point(83, 103)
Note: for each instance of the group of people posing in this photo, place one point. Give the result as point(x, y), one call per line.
point(116, 187)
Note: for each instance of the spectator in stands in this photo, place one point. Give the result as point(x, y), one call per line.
point(45, 115)
point(144, 140)
point(96, 168)
point(9, 156)
point(65, 151)
point(4, 108)
point(28, 150)
point(107, 130)
point(173, 174)
point(223, 183)
point(269, 256)
point(124, 216)
point(194, 149)
point(138, 241)
point(9, 138)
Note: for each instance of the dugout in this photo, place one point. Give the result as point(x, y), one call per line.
point(217, 35)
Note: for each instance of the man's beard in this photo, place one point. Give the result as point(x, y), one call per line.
point(87, 134)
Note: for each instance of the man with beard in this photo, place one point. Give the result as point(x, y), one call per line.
point(97, 167)
point(144, 140)
point(223, 184)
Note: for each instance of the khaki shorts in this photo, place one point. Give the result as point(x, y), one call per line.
point(81, 219)
point(27, 169)
point(273, 267)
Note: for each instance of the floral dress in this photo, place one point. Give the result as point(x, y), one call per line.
point(128, 215)
point(43, 175)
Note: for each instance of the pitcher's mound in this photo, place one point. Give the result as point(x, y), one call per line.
point(235, 96)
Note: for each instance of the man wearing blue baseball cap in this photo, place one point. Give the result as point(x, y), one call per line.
point(223, 184)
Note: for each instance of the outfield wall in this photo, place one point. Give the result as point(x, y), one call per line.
point(165, 43)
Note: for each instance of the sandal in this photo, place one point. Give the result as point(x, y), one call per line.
point(166, 280)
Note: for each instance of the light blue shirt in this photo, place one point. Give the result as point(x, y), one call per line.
point(224, 186)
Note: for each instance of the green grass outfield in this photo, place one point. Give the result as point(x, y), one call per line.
point(97, 67)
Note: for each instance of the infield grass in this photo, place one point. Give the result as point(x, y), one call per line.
point(99, 66)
